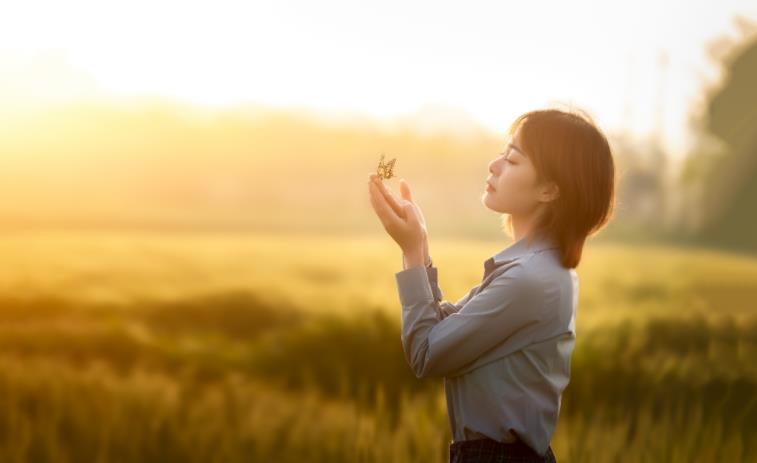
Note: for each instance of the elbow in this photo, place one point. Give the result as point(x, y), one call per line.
point(416, 364)
point(422, 366)
point(424, 371)
point(419, 370)
point(417, 361)
point(427, 367)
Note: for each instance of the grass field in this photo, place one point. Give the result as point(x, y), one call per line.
point(237, 348)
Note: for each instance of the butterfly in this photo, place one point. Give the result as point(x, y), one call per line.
point(385, 170)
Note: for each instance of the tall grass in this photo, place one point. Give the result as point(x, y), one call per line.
point(52, 412)
point(661, 371)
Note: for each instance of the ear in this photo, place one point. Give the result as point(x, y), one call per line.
point(549, 192)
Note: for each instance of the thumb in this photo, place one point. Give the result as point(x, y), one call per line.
point(405, 190)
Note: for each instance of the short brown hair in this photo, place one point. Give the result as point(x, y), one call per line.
point(568, 149)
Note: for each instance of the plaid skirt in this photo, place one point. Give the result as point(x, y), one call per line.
point(488, 450)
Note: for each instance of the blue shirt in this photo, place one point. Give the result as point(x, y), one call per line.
point(504, 349)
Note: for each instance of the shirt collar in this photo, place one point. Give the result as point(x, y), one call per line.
point(518, 249)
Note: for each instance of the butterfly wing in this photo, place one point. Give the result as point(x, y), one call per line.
point(385, 169)
point(389, 168)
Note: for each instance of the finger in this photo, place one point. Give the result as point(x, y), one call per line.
point(391, 198)
point(385, 213)
point(408, 196)
point(411, 212)
point(405, 190)
point(419, 217)
point(419, 213)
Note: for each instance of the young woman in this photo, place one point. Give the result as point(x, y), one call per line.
point(504, 348)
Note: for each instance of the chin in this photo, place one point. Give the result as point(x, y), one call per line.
point(486, 200)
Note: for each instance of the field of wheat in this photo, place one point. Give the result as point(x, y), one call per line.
point(192, 347)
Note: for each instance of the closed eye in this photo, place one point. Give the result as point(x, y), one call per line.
point(506, 159)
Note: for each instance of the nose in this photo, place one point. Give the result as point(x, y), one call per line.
point(494, 167)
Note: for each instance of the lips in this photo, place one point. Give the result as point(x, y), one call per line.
point(489, 186)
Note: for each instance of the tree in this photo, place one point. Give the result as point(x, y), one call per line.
point(728, 175)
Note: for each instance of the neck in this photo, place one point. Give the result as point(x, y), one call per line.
point(521, 228)
point(523, 224)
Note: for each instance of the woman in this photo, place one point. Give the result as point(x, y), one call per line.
point(504, 349)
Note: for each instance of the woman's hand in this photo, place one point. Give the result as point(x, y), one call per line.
point(400, 217)
point(405, 192)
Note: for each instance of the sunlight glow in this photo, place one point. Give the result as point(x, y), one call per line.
point(487, 60)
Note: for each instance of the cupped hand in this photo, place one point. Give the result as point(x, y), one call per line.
point(406, 194)
point(401, 217)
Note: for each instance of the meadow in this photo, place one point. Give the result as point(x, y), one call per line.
point(222, 347)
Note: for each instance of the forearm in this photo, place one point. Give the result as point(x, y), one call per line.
point(425, 259)
point(415, 258)
point(422, 260)
point(432, 275)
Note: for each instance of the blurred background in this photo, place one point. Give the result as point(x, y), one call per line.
point(192, 270)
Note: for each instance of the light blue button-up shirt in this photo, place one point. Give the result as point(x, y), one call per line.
point(504, 348)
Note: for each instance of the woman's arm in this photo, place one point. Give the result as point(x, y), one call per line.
point(448, 308)
point(445, 307)
point(435, 347)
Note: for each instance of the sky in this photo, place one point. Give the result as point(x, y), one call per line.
point(639, 65)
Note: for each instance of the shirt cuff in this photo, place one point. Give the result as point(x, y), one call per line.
point(414, 286)
point(434, 282)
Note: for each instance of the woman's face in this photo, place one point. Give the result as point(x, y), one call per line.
point(512, 187)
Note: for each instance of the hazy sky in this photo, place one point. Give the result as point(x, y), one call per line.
point(492, 60)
